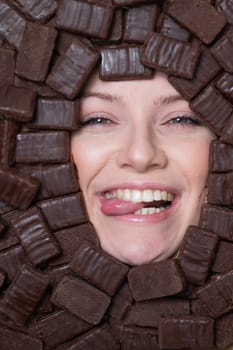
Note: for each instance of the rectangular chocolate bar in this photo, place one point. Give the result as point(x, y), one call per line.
point(71, 70)
point(120, 302)
point(222, 50)
point(86, 18)
point(169, 27)
point(197, 253)
point(23, 295)
point(170, 55)
point(35, 52)
point(11, 260)
point(211, 105)
point(224, 84)
point(123, 62)
point(221, 157)
point(98, 268)
point(43, 147)
point(41, 89)
point(17, 190)
point(55, 114)
point(37, 10)
point(192, 332)
point(14, 339)
point(130, 2)
point(35, 237)
point(199, 17)
point(146, 283)
point(224, 6)
point(17, 103)
point(224, 257)
point(8, 131)
point(227, 132)
point(219, 189)
point(64, 211)
point(7, 66)
point(224, 331)
point(81, 299)
point(139, 338)
point(116, 31)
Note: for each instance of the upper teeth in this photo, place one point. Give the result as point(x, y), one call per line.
point(137, 196)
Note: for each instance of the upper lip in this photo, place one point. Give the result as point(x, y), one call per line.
point(140, 186)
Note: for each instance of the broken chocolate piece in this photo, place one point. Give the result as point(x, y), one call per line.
point(221, 157)
point(81, 299)
point(7, 66)
point(224, 257)
point(8, 131)
point(37, 10)
point(219, 189)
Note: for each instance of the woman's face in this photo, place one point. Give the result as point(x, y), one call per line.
point(142, 159)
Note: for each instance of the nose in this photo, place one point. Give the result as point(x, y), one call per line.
point(141, 149)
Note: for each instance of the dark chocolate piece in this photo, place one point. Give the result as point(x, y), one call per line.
point(217, 294)
point(116, 31)
point(35, 237)
point(43, 147)
point(9, 238)
point(199, 308)
point(227, 133)
point(40, 88)
point(220, 189)
point(55, 114)
point(12, 339)
point(170, 55)
point(56, 273)
point(64, 211)
point(2, 227)
point(213, 108)
point(17, 190)
point(11, 261)
point(197, 253)
point(223, 50)
point(37, 10)
point(7, 66)
point(139, 338)
point(224, 331)
point(98, 268)
point(12, 25)
point(169, 27)
point(192, 332)
point(130, 2)
point(8, 131)
point(123, 62)
point(225, 84)
point(217, 220)
point(139, 22)
point(23, 295)
point(199, 17)
point(35, 52)
point(224, 257)
point(120, 302)
point(2, 278)
point(206, 70)
point(81, 299)
point(72, 69)
point(148, 313)
point(146, 281)
point(60, 326)
point(85, 18)
point(17, 103)
point(221, 157)
point(225, 7)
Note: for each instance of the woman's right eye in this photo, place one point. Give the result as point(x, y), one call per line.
point(94, 121)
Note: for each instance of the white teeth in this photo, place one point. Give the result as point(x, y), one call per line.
point(137, 196)
point(149, 211)
point(157, 195)
point(147, 196)
point(126, 195)
point(164, 195)
point(119, 194)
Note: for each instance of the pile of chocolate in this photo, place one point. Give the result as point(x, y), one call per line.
point(58, 289)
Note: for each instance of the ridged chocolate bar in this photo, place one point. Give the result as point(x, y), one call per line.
point(81, 299)
point(85, 18)
point(43, 147)
point(23, 295)
point(170, 55)
point(130, 2)
point(224, 83)
point(225, 7)
point(11, 260)
point(64, 211)
point(192, 332)
point(17, 103)
point(40, 88)
point(12, 25)
point(35, 52)
point(221, 157)
point(217, 220)
point(207, 69)
point(169, 27)
point(55, 114)
point(213, 108)
point(17, 190)
point(60, 326)
point(148, 313)
point(217, 294)
point(145, 281)
point(223, 51)
point(224, 257)
point(37, 10)
point(35, 237)
point(71, 70)
point(224, 331)
point(7, 66)
point(8, 131)
point(139, 22)
point(139, 338)
point(12, 339)
point(199, 17)
point(227, 132)
point(219, 189)
point(98, 268)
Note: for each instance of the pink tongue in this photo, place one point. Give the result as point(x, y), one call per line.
point(119, 207)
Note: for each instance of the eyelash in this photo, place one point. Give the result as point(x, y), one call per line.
point(184, 120)
point(94, 121)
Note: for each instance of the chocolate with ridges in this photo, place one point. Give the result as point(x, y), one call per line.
point(227, 132)
point(85, 18)
point(7, 66)
point(170, 55)
point(37, 10)
point(54, 211)
point(224, 257)
point(145, 282)
point(17, 190)
point(139, 338)
point(35, 52)
point(23, 295)
point(116, 31)
point(139, 22)
point(98, 268)
point(196, 254)
point(130, 2)
point(169, 27)
point(41, 89)
point(224, 331)
point(8, 131)
point(225, 7)
point(9, 238)
point(213, 108)
point(13, 339)
point(201, 18)
point(81, 299)
point(220, 189)
point(120, 302)
point(55, 114)
point(71, 70)
point(17, 103)
point(224, 83)
point(221, 157)
point(11, 260)
point(223, 50)
point(43, 147)
point(35, 237)
point(56, 273)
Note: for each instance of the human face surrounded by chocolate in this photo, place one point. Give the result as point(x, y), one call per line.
point(142, 160)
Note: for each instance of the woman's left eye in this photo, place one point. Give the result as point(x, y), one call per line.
point(184, 121)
